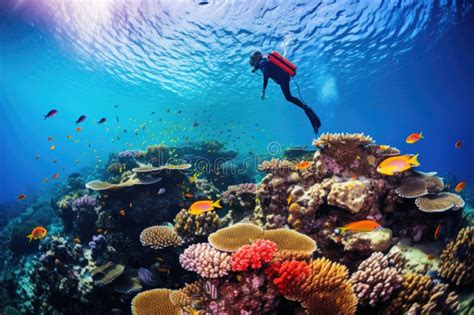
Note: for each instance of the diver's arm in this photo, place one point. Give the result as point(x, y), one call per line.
point(265, 82)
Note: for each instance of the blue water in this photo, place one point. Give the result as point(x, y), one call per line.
point(385, 68)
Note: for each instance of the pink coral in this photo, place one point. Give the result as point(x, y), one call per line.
point(253, 256)
point(207, 261)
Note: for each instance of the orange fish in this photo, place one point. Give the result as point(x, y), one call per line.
point(50, 138)
point(458, 144)
point(78, 129)
point(76, 240)
point(303, 165)
point(122, 212)
point(202, 206)
point(437, 232)
point(188, 195)
point(21, 196)
point(359, 226)
point(397, 164)
point(430, 257)
point(55, 175)
point(460, 186)
point(100, 230)
point(52, 147)
point(414, 137)
point(38, 233)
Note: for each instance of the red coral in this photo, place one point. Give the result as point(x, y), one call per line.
point(253, 256)
point(290, 276)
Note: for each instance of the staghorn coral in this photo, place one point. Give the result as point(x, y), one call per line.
point(440, 202)
point(291, 241)
point(421, 290)
point(374, 281)
point(205, 260)
point(159, 236)
point(154, 302)
point(457, 259)
point(231, 238)
point(253, 256)
point(189, 226)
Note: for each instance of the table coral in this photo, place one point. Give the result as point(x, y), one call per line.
point(231, 238)
point(159, 236)
point(439, 202)
point(374, 281)
point(253, 256)
point(457, 259)
point(205, 260)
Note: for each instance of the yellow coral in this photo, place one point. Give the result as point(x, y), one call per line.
point(290, 240)
point(231, 238)
point(457, 258)
point(154, 302)
point(159, 236)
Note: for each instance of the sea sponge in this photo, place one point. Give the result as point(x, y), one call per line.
point(253, 256)
point(419, 185)
point(421, 290)
point(440, 202)
point(189, 226)
point(231, 238)
point(205, 260)
point(107, 273)
point(457, 259)
point(374, 281)
point(291, 241)
point(154, 302)
point(159, 236)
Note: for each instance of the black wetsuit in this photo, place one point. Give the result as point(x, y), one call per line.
point(282, 78)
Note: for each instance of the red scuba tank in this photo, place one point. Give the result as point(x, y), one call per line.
point(282, 63)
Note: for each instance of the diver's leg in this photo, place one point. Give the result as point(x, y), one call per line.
point(313, 118)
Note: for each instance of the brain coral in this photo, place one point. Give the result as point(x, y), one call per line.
point(374, 280)
point(205, 260)
point(439, 202)
point(421, 290)
point(457, 258)
point(253, 256)
point(231, 238)
point(154, 302)
point(159, 236)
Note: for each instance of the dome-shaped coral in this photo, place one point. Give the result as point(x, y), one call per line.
point(457, 258)
point(159, 236)
point(231, 238)
point(154, 302)
point(439, 202)
point(253, 256)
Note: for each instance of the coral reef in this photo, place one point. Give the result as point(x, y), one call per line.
point(374, 281)
point(439, 202)
point(205, 260)
point(457, 259)
point(192, 226)
point(230, 239)
point(145, 303)
point(159, 236)
point(253, 256)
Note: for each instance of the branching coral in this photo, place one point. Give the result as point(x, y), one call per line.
point(159, 236)
point(154, 302)
point(457, 258)
point(290, 275)
point(374, 281)
point(205, 260)
point(231, 238)
point(253, 256)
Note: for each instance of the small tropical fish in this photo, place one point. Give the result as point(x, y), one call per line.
point(431, 257)
point(161, 191)
point(117, 118)
point(358, 226)
point(78, 129)
point(80, 119)
point(130, 205)
point(303, 165)
point(383, 147)
point(202, 206)
point(52, 147)
point(37, 157)
point(188, 195)
point(460, 186)
point(21, 196)
point(458, 144)
point(288, 200)
point(203, 3)
point(55, 175)
point(45, 180)
point(437, 232)
point(51, 114)
point(414, 137)
point(50, 138)
point(102, 120)
point(76, 240)
point(55, 161)
point(69, 137)
point(397, 164)
point(122, 212)
point(164, 270)
point(38, 233)
point(99, 230)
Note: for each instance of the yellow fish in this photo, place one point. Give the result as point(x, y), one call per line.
point(397, 164)
point(38, 233)
point(202, 206)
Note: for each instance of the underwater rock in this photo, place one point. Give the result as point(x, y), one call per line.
point(413, 258)
point(128, 282)
point(367, 242)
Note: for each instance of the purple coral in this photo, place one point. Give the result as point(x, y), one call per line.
point(85, 201)
point(147, 277)
point(205, 260)
point(374, 280)
point(98, 245)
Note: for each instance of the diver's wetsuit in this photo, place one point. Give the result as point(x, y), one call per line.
point(282, 78)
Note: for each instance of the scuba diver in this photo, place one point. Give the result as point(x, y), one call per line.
point(281, 71)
